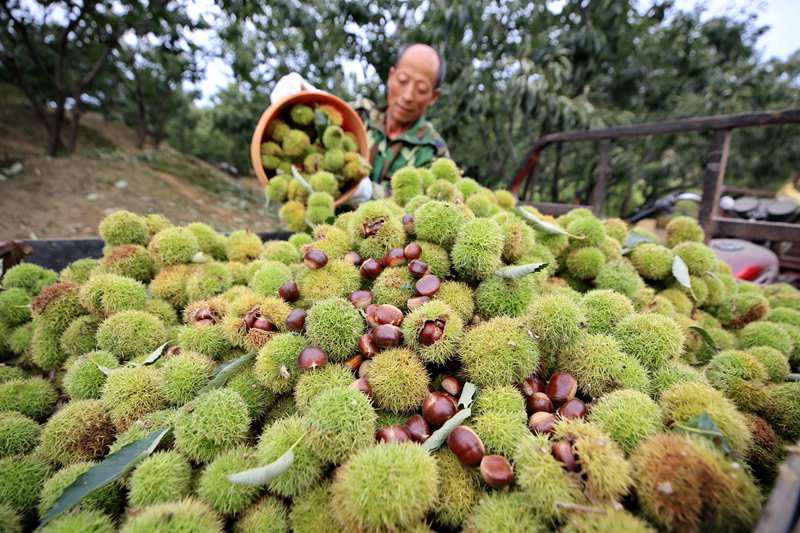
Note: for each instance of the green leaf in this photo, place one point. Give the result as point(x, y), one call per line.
point(635, 239)
point(224, 371)
point(255, 477)
point(681, 273)
point(155, 355)
point(467, 395)
point(517, 271)
point(320, 122)
point(543, 226)
point(440, 435)
point(296, 175)
point(705, 426)
point(707, 339)
point(109, 470)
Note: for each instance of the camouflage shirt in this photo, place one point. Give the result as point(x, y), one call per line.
point(418, 146)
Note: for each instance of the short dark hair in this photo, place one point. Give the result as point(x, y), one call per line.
point(442, 65)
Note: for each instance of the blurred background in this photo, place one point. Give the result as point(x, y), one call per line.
point(150, 105)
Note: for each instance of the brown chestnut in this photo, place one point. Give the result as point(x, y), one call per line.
point(203, 322)
point(438, 408)
point(363, 368)
point(361, 299)
point(362, 385)
point(531, 385)
point(384, 314)
point(427, 285)
point(392, 434)
point(289, 291)
point(542, 422)
point(431, 332)
point(353, 363)
point(451, 386)
point(561, 387)
point(368, 229)
point(367, 346)
point(417, 301)
point(574, 408)
point(264, 324)
point(387, 336)
point(311, 357)
point(172, 351)
point(417, 428)
point(562, 451)
point(353, 258)
point(418, 268)
point(412, 251)
point(394, 257)
point(496, 471)
point(370, 269)
point(540, 402)
point(408, 224)
point(466, 445)
point(296, 320)
point(315, 258)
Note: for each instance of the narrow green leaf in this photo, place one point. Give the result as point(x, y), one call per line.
point(635, 239)
point(681, 273)
point(109, 470)
point(296, 175)
point(517, 271)
point(155, 355)
point(707, 339)
point(440, 435)
point(705, 426)
point(255, 477)
point(225, 371)
point(544, 226)
point(467, 395)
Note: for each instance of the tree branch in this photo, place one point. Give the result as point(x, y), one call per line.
point(23, 32)
point(61, 54)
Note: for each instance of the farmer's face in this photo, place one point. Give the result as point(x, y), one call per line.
point(411, 87)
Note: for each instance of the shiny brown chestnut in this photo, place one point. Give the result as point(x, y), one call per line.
point(430, 332)
point(412, 251)
point(362, 385)
point(451, 386)
point(367, 346)
point(574, 408)
point(289, 291)
point(368, 229)
point(387, 336)
point(542, 422)
point(531, 385)
point(315, 258)
point(296, 320)
point(391, 434)
point(438, 408)
point(540, 402)
point(496, 471)
point(561, 387)
point(394, 257)
point(466, 445)
point(417, 428)
point(417, 301)
point(418, 268)
point(384, 314)
point(361, 299)
point(408, 224)
point(353, 363)
point(562, 451)
point(427, 285)
point(353, 258)
point(370, 269)
point(311, 357)
point(264, 324)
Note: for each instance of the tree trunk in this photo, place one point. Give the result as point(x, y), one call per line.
point(141, 112)
point(54, 142)
point(72, 142)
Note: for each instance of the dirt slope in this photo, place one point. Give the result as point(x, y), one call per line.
point(66, 197)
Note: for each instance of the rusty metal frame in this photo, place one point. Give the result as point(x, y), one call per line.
point(722, 127)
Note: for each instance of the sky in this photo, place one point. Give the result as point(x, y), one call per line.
point(781, 40)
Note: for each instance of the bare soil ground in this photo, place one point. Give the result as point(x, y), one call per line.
point(67, 197)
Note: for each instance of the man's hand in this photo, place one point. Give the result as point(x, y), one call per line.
point(290, 84)
point(363, 192)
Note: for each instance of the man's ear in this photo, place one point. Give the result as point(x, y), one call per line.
point(436, 94)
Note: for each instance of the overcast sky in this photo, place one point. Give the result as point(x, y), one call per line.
point(782, 39)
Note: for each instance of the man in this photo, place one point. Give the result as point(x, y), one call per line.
point(399, 134)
